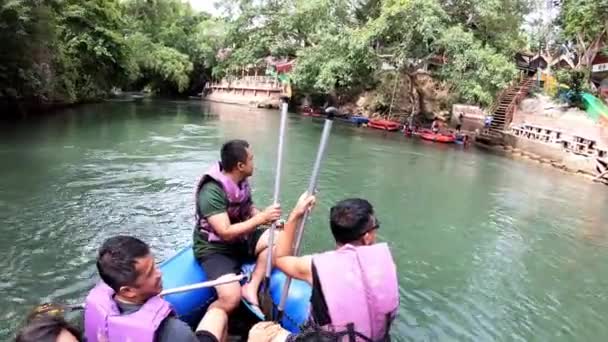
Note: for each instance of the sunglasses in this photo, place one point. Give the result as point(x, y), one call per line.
point(375, 225)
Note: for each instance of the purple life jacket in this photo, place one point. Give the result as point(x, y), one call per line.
point(239, 201)
point(103, 321)
point(361, 290)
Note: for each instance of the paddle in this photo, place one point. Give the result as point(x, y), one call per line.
point(57, 309)
point(312, 184)
point(265, 298)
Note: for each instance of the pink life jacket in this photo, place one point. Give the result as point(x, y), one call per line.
point(239, 201)
point(361, 290)
point(103, 321)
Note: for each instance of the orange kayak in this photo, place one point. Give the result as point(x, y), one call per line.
point(437, 137)
point(386, 125)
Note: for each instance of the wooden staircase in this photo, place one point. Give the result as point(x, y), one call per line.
point(503, 109)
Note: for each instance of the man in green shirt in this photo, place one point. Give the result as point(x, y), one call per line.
point(227, 232)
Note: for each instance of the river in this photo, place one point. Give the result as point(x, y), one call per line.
point(487, 248)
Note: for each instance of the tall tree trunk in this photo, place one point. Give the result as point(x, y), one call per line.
point(589, 52)
point(413, 94)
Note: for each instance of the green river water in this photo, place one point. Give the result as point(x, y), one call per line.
point(487, 248)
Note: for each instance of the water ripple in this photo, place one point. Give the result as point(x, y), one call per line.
point(487, 249)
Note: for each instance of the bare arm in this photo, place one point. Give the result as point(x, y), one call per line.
point(293, 266)
point(228, 232)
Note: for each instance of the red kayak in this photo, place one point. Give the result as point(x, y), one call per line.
point(386, 125)
point(436, 137)
point(309, 111)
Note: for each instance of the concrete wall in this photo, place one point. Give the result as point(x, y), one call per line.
point(543, 111)
point(553, 153)
point(245, 97)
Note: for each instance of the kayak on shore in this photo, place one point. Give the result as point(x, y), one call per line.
point(436, 137)
point(382, 124)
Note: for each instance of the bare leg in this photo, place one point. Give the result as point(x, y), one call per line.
point(228, 297)
point(215, 322)
point(250, 290)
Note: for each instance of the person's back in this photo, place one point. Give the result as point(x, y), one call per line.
point(367, 290)
point(363, 301)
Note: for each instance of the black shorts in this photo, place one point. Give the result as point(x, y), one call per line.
point(220, 263)
point(205, 336)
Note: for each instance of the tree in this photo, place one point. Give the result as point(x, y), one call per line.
point(75, 50)
point(61, 51)
point(479, 70)
point(28, 40)
point(413, 33)
point(586, 23)
point(172, 46)
point(90, 32)
point(158, 66)
point(544, 35)
point(496, 23)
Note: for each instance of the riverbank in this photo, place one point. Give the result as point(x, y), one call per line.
point(513, 147)
point(576, 167)
point(21, 109)
point(556, 134)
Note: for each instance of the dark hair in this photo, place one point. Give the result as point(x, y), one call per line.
point(46, 328)
point(349, 219)
point(116, 260)
point(234, 152)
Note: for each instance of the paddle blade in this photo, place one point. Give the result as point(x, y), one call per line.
point(266, 304)
point(46, 309)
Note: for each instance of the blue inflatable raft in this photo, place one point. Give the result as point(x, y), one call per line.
point(182, 269)
point(358, 119)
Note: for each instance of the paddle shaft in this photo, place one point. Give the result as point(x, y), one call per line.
point(311, 189)
point(277, 186)
point(205, 284)
point(197, 286)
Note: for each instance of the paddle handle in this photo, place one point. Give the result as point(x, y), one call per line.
point(311, 189)
point(277, 183)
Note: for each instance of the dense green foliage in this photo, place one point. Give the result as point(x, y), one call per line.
point(585, 23)
point(577, 82)
point(61, 51)
point(79, 50)
point(76, 50)
point(340, 45)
